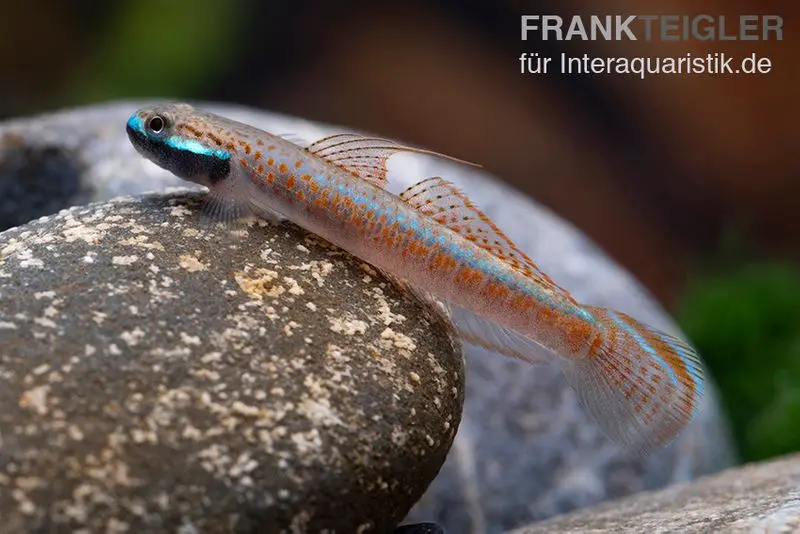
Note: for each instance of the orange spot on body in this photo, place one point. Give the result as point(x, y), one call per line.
point(576, 332)
point(257, 156)
point(271, 161)
point(298, 164)
point(290, 181)
point(314, 187)
point(596, 345)
point(243, 162)
point(283, 168)
point(437, 263)
point(306, 177)
point(449, 263)
point(260, 168)
point(271, 147)
point(194, 131)
point(300, 195)
point(259, 142)
point(271, 177)
point(518, 302)
point(416, 248)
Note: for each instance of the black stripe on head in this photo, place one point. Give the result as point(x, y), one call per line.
point(204, 169)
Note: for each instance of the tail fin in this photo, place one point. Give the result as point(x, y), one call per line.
point(641, 385)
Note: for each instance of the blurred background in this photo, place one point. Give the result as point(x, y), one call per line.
point(690, 182)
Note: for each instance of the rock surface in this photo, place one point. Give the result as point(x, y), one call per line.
point(157, 374)
point(524, 451)
point(762, 498)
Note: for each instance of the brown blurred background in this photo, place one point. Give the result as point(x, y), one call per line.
point(654, 170)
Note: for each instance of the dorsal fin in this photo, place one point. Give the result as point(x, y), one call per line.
point(447, 205)
point(365, 157)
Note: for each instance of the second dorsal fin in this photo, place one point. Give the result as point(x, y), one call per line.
point(366, 157)
point(447, 205)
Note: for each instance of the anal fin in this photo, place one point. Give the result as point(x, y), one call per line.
point(483, 333)
point(498, 339)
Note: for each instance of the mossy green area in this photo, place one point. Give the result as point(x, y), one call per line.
point(745, 322)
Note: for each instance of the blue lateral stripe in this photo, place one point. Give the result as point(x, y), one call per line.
point(195, 147)
point(464, 255)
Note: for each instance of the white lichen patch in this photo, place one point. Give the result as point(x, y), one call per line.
point(384, 313)
point(191, 263)
point(398, 339)
point(294, 287)
point(259, 284)
point(35, 399)
point(190, 340)
point(179, 211)
point(347, 326)
point(132, 337)
point(399, 436)
point(289, 328)
point(319, 412)
point(319, 270)
point(124, 260)
point(81, 232)
point(45, 322)
point(142, 241)
point(307, 442)
point(22, 254)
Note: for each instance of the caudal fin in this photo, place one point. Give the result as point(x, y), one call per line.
point(641, 385)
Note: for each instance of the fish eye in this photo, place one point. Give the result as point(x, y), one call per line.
point(156, 124)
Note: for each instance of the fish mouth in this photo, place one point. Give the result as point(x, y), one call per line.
point(137, 138)
point(152, 149)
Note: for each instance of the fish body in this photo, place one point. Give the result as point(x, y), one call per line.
point(641, 385)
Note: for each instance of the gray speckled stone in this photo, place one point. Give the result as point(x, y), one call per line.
point(756, 498)
point(156, 374)
point(524, 451)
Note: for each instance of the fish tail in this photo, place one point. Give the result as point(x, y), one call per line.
point(641, 385)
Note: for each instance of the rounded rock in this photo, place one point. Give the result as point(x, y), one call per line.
point(157, 374)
